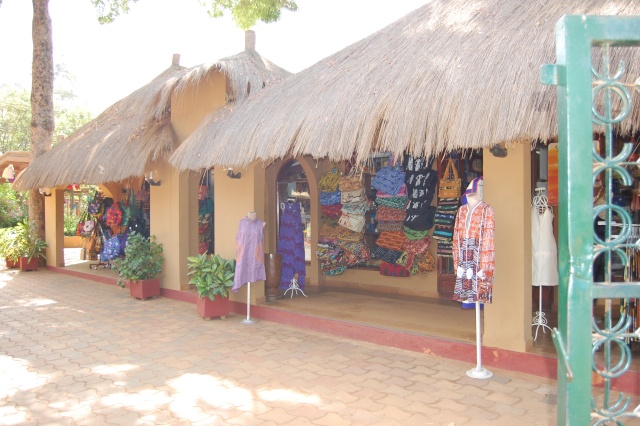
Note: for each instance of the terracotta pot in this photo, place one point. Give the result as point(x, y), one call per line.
point(28, 265)
point(144, 289)
point(208, 308)
point(10, 263)
point(273, 268)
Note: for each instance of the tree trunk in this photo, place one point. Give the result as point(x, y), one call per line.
point(42, 121)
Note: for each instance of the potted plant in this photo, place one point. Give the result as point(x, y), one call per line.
point(141, 264)
point(27, 247)
point(212, 276)
point(8, 246)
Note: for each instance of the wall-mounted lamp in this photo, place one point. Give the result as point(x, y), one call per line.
point(153, 178)
point(233, 175)
point(499, 150)
point(45, 191)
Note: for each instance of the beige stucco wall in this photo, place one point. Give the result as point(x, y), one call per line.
point(507, 187)
point(54, 227)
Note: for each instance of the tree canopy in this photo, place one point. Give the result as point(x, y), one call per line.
point(247, 12)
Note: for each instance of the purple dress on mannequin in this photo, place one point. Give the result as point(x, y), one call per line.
point(249, 253)
point(291, 246)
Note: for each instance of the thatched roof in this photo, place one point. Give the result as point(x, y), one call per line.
point(19, 159)
point(452, 74)
point(121, 141)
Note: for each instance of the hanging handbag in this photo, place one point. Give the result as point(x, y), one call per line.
point(358, 207)
point(351, 182)
point(352, 196)
point(416, 247)
point(412, 234)
point(450, 182)
point(426, 263)
point(329, 181)
point(352, 221)
point(349, 235)
point(388, 179)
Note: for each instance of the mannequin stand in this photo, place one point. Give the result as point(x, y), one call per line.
point(479, 372)
point(294, 287)
point(540, 320)
point(248, 320)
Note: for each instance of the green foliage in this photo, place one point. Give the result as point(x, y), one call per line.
point(13, 206)
point(22, 241)
point(142, 259)
point(247, 12)
point(211, 274)
point(15, 119)
point(109, 10)
point(70, 223)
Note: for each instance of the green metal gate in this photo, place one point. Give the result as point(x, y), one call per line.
point(594, 95)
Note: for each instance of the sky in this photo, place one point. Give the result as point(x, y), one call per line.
point(107, 62)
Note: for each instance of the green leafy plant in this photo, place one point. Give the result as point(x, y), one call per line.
point(142, 259)
point(8, 244)
point(27, 243)
point(211, 275)
point(70, 224)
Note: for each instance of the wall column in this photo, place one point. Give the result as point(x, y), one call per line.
point(170, 224)
point(507, 187)
point(54, 227)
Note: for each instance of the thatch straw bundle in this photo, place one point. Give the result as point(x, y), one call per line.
point(453, 74)
point(121, 141)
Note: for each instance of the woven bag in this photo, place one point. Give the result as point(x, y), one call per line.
point(349, 235)
point(350, 183)
point(426, 262)
point(417, 246)
point(392, 240)
point(387, 255)
point(359, 207)
point(450, 182)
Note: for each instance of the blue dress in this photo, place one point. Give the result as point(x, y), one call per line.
point(291, 245)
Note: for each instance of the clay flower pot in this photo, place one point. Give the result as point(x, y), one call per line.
point(145, 289)
point(207, 308)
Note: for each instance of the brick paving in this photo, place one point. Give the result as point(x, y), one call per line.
point(76, 352)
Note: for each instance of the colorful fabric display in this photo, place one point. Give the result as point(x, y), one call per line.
point(413, 234)
point(412, 163)
point(393, 202)
point(329, 198)
point(392, 240)
point(402, 192)
point(350, 183)
point(352, 221)
point(445, 249)
point(390, 214)
point(386, 225)
point(384, 254)
point(393, 270)
point(333, 211)
point(421, 217)
point(388, 179)
point(349, 235)
point(353, 196)
point(331, 259)
point(329, 233)
point(359, 207)
point(329, 181)
point(426, 263)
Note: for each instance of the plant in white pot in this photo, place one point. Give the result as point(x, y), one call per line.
point(140, 266)
point(212, 277)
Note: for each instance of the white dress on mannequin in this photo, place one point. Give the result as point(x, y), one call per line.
point(544, 249)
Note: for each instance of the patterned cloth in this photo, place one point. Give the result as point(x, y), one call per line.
point(473, 253)
point(249, 253)
point(291, 246)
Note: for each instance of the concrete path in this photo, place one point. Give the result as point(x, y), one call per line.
point(75, 352)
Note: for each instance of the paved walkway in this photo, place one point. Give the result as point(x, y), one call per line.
point(75, 352)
